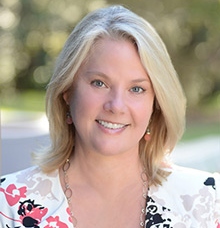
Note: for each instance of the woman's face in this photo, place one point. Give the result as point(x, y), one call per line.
point(111, 99)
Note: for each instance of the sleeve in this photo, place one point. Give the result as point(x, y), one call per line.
point(31, 198)
point(217, 199)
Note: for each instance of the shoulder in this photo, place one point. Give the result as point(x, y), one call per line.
point(193, 195)
point(19, 176)
point(188, 179)
point(28, 183)
point(184, 181)
point(23, 177)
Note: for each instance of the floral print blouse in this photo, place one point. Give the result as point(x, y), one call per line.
point(187, 199)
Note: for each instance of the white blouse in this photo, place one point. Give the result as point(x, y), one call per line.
point(187, 199)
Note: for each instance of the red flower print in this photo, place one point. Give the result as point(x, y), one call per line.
point(31, 213)
point(14, 194)
point(54, 222)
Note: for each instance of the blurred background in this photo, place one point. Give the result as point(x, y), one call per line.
point(33, 32)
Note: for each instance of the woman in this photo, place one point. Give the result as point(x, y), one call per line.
point(116, 110)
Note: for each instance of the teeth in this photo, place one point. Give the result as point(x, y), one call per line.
point(111, 125)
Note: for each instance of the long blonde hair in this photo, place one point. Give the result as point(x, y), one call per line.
point(168, 118)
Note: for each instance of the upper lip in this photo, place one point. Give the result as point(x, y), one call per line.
point(113, 123)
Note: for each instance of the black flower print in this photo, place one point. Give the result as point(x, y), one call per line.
point(210, 181)
point(31, 213)
point(154, 215)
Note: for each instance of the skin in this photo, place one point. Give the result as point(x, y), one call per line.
point(111, 90)
point(111, 102)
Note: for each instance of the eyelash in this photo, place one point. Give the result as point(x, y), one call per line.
point(140, 89)
point(97, 83)
point(100, 84)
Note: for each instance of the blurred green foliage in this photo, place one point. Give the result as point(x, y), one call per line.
point(28, 100)
point(196, 131)
point(32, 33)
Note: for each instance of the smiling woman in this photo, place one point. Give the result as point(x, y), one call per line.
point(116, 109)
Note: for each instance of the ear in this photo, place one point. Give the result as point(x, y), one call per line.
point(66, 97)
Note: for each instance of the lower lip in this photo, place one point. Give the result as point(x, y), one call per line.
point(111, 130)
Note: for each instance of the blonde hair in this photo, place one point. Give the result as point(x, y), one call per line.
point(168, 118)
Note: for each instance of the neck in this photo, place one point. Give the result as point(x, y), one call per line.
point(106, 173)
point(108, 183)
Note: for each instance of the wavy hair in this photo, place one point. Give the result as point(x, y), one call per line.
point(168, 117)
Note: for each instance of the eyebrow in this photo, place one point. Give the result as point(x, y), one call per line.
point(138, 80)
point(97, 73)
point(141, 80)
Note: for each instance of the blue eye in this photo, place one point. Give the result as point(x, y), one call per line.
point(98, 83)
point(137, 89)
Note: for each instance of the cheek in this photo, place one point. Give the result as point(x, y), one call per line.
point(83, 103)
point(78, 105)
point(144, 117)
point(144, 112)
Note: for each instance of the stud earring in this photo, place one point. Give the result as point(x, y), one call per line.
point(68, 118)
point(147, 134)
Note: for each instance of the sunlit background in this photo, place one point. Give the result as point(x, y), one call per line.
point(33, 32)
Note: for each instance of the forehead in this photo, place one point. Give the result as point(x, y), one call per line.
point(113, 40)
point(114, 58)
point(108, 47)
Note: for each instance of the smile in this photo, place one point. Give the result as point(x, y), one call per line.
point(111, 125)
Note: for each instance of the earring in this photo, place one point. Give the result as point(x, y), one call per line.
point(68, 118)
point(147, 134)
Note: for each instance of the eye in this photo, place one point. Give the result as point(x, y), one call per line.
point(98, 83)
point(137, 89)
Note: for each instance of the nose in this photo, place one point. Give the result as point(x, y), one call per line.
point(115, 102)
